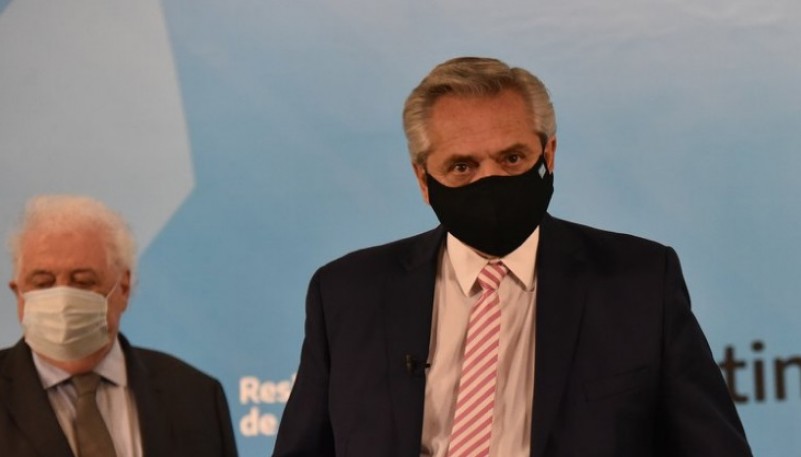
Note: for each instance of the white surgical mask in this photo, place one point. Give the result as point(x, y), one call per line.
point(65, 323)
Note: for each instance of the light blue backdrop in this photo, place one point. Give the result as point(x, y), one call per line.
point(251, 141)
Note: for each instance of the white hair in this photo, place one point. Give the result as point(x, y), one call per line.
point(473, 77)
point(58, 213)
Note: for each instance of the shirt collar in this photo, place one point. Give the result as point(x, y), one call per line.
point(467, 263)
point(111, 368)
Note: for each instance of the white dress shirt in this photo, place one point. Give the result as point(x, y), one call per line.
point(114, 399)
point(455, 293)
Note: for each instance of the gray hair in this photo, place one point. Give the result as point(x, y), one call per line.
point(58, 213)
point(472, 77)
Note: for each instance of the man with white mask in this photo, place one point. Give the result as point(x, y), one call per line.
point(74, 385)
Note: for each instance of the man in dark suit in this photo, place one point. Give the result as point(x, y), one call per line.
point(73, 262)
point(504, 331)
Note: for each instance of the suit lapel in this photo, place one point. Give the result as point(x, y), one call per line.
point(22, 394)
point(561, 293)
point(409, 304)
point(153, 423)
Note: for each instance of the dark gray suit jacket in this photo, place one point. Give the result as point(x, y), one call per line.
point(182, 411)
point(622, 367)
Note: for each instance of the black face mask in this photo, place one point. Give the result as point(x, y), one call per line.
point(495, 214)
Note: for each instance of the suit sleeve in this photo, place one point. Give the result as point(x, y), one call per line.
point(224, 418)
point(305, 428)
point(700, 419)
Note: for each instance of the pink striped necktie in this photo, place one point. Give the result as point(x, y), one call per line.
point(472, 421)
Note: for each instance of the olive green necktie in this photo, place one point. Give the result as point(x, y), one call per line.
point(94, 439)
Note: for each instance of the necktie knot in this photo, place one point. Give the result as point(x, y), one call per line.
point(86, 383)
point(491, 276)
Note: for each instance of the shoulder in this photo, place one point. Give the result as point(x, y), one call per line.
point(392, 256)
point(597, 236)
point(165, 362)
point(607, 248)
point(3, 357)
point(15, 358)
point(167, 369)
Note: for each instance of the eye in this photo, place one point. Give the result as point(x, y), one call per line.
point(514, 158)
point(84, 280)
point(42, 285)
point(460, 167)
point(84, 283)
point(42, 281)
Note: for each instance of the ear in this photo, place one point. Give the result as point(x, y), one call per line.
point(550, 153)
point(420, 173)
point(125, 287)
point(20, 302)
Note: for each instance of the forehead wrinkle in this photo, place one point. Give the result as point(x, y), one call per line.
point(462, 125)
point(63, 251)
point(517, 147)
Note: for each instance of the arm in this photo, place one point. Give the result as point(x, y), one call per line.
point(226, 428)
point(305, 428)
point(698, 416)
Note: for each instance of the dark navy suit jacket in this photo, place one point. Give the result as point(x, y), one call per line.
point(182, 412)
point(621, 367)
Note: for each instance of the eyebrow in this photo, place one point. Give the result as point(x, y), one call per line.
point(81, 271)
point(78, 271)
point(40, 272)
point(517, 147)
point(458, 158)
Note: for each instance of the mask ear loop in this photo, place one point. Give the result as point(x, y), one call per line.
point(114, 288)
point(543, 142)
